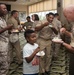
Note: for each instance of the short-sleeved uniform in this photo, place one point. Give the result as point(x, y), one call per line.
point(16, 43)
point(28, 68)
point(28, 25)
point(4, 46)
point(44, 40)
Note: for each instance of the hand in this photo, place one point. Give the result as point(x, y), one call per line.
point(37, 50)
point(46, 23)
point(60, 42)
point(62, 30)
point(20, 28)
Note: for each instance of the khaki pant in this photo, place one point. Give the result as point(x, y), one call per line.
point(45, 61)
point(17, 50)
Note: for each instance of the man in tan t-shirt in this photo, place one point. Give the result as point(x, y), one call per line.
point(14, 37)
point(44, 40)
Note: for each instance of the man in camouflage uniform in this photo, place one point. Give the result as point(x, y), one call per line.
point(4, 42)
point(69, 14)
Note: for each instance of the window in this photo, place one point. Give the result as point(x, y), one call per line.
point(43, 14)
point(22, 16)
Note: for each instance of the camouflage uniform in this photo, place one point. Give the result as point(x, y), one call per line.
point(71, 68)
point(56, 47)
point(28, 25)
point(4, 45)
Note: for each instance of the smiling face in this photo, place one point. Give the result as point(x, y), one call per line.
point(31, 38)
point(50, 18)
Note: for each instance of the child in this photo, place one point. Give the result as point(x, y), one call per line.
point(30, 60)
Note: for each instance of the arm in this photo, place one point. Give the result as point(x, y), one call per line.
point(24, 26)
point(6, 28)
point(69, 47)
point(39, 27)
point(30, 58)
point(64, 31)
point(68, 33)
point(54, 30)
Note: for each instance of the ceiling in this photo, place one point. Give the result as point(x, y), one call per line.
point(20, 2)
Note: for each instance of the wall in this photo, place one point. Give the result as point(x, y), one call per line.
point(19, 8)
point(43, 6)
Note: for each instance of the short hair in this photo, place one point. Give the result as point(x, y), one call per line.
point(36, 17)
point(13, 12)
point(28, 32)
point(56, 14)
point(50, 14)
point(28, 17)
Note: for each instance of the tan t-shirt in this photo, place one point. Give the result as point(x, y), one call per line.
point(45, 33)
point(28, 25)
point(13, 37)
point(57, 24)
point(13, 21)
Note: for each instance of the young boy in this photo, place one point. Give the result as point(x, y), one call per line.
point(30, 60)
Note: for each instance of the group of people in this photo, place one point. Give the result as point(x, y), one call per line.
point(45, 33)
point(39, 35)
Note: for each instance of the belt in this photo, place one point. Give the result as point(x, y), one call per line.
point(45, 39)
